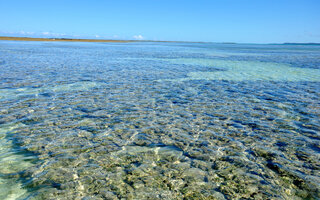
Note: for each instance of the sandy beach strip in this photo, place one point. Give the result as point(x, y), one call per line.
point(59, 39)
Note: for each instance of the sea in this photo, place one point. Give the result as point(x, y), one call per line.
point(159, 120)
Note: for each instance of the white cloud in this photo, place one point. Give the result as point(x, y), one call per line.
point(46, 33)
point(26, 33)
point(7, 32)
point(97, 36)
point(138, 37)
point(39, 34)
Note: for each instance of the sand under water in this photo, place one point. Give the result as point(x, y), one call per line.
point(159, 121)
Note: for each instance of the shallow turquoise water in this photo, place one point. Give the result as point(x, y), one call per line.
point(159, 121)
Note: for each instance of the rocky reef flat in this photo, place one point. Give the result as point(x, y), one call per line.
point(135, 121)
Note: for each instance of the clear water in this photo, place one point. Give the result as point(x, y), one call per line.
point(159, 121)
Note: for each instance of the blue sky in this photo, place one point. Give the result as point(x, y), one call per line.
point(246, 21)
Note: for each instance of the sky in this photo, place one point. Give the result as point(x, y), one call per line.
point(242, 21)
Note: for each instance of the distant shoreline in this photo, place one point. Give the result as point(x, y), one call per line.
point(127, 41)
point(310, 43)
point(60, 39)
point(83, 40)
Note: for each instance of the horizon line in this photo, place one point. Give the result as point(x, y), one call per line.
point(62, 39)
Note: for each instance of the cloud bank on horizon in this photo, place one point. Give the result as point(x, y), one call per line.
point(138, 37)
point(48, 34)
